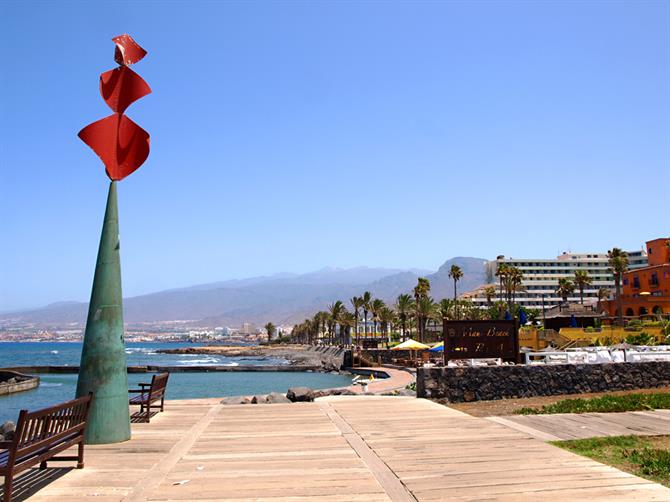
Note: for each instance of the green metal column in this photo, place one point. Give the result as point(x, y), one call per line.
point(103, 358)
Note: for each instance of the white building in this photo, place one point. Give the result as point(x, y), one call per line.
point(540, 277)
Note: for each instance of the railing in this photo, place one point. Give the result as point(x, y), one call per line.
point(597, 355)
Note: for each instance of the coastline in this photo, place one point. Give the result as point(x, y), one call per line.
point(306, 357)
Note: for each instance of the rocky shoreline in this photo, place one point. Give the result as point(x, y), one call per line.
point(12, 381)
point(326, 358)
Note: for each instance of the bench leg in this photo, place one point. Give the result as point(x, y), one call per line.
point(80, 456)
point(162, 403)
point(8, 488)
point(43, 465)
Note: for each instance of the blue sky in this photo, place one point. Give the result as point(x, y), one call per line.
point(287, 136)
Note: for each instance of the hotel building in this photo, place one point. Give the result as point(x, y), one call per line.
point(646, 290)
point(540, 277)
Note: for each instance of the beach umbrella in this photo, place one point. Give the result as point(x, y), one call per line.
point(508, 316)
point(573, 321)
point(522, 317)
point(439, 347)
point(411, 344)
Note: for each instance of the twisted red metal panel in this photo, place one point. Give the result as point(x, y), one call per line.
point(121, 144)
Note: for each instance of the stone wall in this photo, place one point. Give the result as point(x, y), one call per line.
point(501, 382)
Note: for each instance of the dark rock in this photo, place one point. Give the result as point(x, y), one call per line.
point(297, 394)
point(276, 398)
point(333, 392)
point(407, 392)
point(7, 430)
point(236, 400)
point(260, 399)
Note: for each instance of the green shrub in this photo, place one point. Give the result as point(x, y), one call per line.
point(652, 462)
point(642, 339)
point(605, 404)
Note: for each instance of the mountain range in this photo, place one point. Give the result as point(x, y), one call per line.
point(281, 298)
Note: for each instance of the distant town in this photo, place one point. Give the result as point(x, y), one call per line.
point(164, 331)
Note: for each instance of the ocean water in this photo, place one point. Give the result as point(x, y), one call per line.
point(56, 388)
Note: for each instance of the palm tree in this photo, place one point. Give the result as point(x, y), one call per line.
point(366, 299)
point(346, 320)
point(618, 261)
point(376, 307)
point(501, 272)
point(456, 274)
point(490, 293)
point(270, 328)
point(603, 294)
point(446, 308)
point(436, 316)
point(422, 288)
point(357, 304)
point(404, 305)
point(386, 317)
point(320, 319)
point(334, 310)
point(565, 288)
point(423, 310)
point(512, 280)
point(516, 280)
point(582, 279)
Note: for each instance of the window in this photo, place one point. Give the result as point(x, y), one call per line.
point(625, 281)
point(636, 282)
point(654, 279)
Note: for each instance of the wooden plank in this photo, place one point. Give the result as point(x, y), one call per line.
point(396, 491)
point(352, 448)
point(537, 434)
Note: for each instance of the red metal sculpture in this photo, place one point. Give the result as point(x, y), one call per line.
point(122, 145)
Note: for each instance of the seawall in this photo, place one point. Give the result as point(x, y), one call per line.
point(463, 384)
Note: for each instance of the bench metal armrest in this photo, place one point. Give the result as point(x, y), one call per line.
point(144, 384)
point(4, 445)
point(140, 391)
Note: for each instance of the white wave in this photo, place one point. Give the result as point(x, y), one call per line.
point(47, 384)
point(133, 350)
point(198, 361)
point(54, 352)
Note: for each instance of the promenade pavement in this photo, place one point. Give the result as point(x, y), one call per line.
point(398, 379)
point(562, 426)
point(342, 448)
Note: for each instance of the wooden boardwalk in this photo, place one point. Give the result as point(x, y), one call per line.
point(563, 426)
point(354, 448)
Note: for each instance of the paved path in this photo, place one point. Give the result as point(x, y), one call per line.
point(398, 379)
point(562, 426)
point(342, 448)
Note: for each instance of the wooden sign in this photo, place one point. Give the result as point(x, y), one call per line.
point(481, 340)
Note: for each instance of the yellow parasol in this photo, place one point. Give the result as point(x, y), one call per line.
point(410, 344)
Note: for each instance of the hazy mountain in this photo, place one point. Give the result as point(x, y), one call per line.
point(281, 298)
point(474, 274)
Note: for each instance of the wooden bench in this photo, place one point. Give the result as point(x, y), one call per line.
point(41, 435)
point(150, 393)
